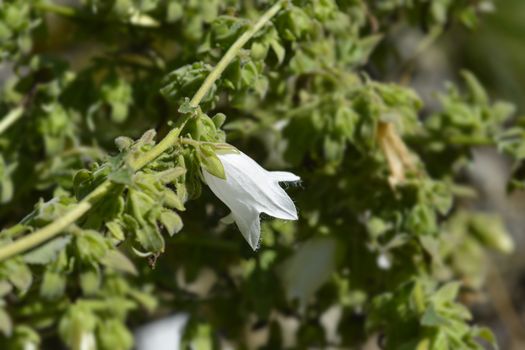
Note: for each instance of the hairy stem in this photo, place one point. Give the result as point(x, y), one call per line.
point(231, 53)
point(55, 228)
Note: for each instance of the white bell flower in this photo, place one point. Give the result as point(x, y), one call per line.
point(250, 190)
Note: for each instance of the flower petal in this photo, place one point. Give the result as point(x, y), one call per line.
point(228, 219)
point(249, 224)
point(249, 190)
point(284, 176)
point(257, 187)
point(280, 205)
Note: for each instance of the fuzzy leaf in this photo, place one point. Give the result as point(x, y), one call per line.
point(48, 252)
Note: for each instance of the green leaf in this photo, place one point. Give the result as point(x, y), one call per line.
point(447, 293)
point(150, 238)
point(90, 281)
point(203, 338)
point(172, 200)
point(5, 288)
point(48, 252)
point(115, 259)
point(19, 275)
point(77, 323)
point(210, 162)
point(118, 94)
point(476, 90)
point(491, 230)
point(53, 285)
point(123, 176)
point(116, 230)
point(171, 221)
point(6, 325)
point(487, 335)
point(187, 108)
point(91, 246)
point(279, 50)
point(113, 334)
point(218, 119)
point(432, 319)
point(147, 300)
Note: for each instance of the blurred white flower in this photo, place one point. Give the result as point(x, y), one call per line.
point(163, 334)
point(29, 346)
point(250, 190)
point(311, 265)
point(383, 261)
point(87, 341)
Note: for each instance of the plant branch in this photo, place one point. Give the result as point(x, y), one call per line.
point(56, 227)
point(40, 236)
point(231, 53)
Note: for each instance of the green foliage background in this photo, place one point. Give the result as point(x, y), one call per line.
point(320, 91)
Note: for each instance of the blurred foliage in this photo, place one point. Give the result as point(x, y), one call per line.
point(500, 34)
point(381, 235)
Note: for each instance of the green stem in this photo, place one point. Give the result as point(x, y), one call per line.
point(10, 119)
point(464, 140)
point(231, 53)
point(40, 236)
point(55, 228)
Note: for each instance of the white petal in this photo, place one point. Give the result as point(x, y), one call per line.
point(284, 176)
point(250, 190)
point(255, 186)
point(249, 224)
point(87, 341)
point(228, 219)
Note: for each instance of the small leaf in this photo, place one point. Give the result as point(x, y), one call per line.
point(187, 108)
point(6, 325)
point(115, 259)
point(116, 230)
point(487, 335)
point(476, 90)
point(53, 285)
point(48, 252)
point(171, 175)
point(171, 221)
point(172, 200)
point(150, 239)
point(431, 318)
point(19, 275)
point(113, 334)
point(90, 281)
point(210, 162)
point(123, 176)
point(447, 293)
point(218, 119)
point(147, 300)
point(5, 288)
point(123, 143)
point(91, 245)
point(279, 50)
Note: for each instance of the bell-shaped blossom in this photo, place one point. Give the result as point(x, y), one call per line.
point(250, 190)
